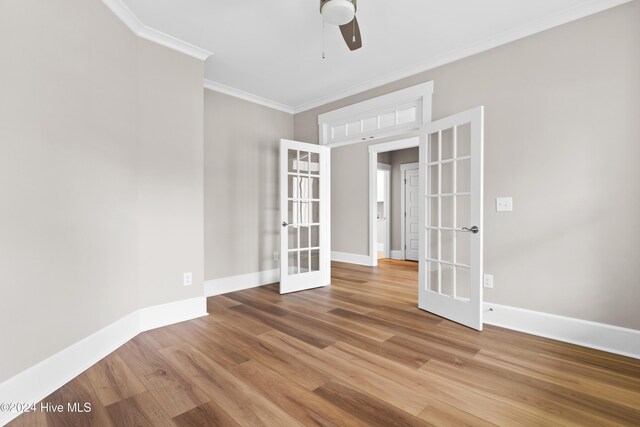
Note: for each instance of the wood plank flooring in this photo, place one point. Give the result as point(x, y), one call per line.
point(357, 353)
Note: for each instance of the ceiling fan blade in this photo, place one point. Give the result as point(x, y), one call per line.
point(351, 34)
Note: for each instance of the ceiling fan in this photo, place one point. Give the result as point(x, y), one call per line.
point(343, 14)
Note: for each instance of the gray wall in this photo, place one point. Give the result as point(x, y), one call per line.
point(398, 158)
point(562, 138)
point(241, 190)
point(100, 175)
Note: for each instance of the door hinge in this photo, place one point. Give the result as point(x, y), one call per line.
point(405, 214)
point(405, 180)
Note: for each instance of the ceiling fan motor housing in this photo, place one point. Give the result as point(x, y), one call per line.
point(338, 12)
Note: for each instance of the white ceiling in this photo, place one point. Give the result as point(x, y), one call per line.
point(273, 48)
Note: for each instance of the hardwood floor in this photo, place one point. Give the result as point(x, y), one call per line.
point(353, 354)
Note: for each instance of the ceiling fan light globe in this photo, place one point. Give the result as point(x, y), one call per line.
point(338, 12)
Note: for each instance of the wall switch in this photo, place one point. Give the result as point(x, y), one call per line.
point(187, 279)
point(488, 281)
point(504, 204)
point(276, 256)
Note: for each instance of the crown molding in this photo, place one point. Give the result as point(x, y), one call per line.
point(237, 93)
point(138, 28)
point(500, 39)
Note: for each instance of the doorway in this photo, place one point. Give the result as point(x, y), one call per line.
point(383, 207)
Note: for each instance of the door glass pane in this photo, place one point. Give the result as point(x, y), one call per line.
point(304, 237)
point(407, 116)
point(463, 136)
point(433, 179)
point(447, 211)
point(304, 261)
point(463, 212)
point(432, 276)
point(303, 167)
point(446, 287)
point(432, 244)
point(463, 283)
point(463, 174)
point(293, 262)
point(293, 186)
point(447, 245)
point(432, 211)
point(292, 161)
point(303, 216)
point(433, 150)
point(463, 248)
point(387, 119)
point(292, 233)
point(314, 191)
point(315, 236)
point(315, 212)
point(339, 131)
point(447, 144)
point(447, 178)
point(315, 260)
point(294, 213)
point(315, 164)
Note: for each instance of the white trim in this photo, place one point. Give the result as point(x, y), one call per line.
point(380, 246)
point(240, 282)
point(600, 336)
point(396, 255)
point(374, 149)
point(37, 382)
point(418, 96)
point(386, 248)
point(403, 184)
point(158, 316)
point(138, 28)
point(237, 93)
point(350, 258)
point(537, 26)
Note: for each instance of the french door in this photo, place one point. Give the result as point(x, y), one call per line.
point(304, 211)
point(451, 229)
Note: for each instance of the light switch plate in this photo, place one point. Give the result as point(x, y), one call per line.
point(504, 204)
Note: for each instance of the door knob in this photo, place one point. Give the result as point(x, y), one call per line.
point(473, 229)
point(284, 223)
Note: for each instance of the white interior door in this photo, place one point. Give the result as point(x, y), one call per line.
point(412, 214)
point(304, 210)
point(451, 171)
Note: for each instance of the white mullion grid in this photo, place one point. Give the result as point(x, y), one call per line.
point(310, 215)
point(449, 263)
point(455, 208)
point(454, 159)
point(439, 212)
point(299, 211)
point(450, 194)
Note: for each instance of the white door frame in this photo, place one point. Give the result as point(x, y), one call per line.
point(403, 170)
point(374, 149)
point(387, 207)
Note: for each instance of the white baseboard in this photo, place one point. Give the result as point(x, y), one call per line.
point(240, 282)
point(350, 258)
point(174, 312)
point(42, 379)
point(396, 254)
point(600, 336)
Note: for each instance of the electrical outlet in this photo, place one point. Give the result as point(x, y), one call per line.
point(488, 281)
point(187, 279)
point(504, 204)
point(276, 256)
